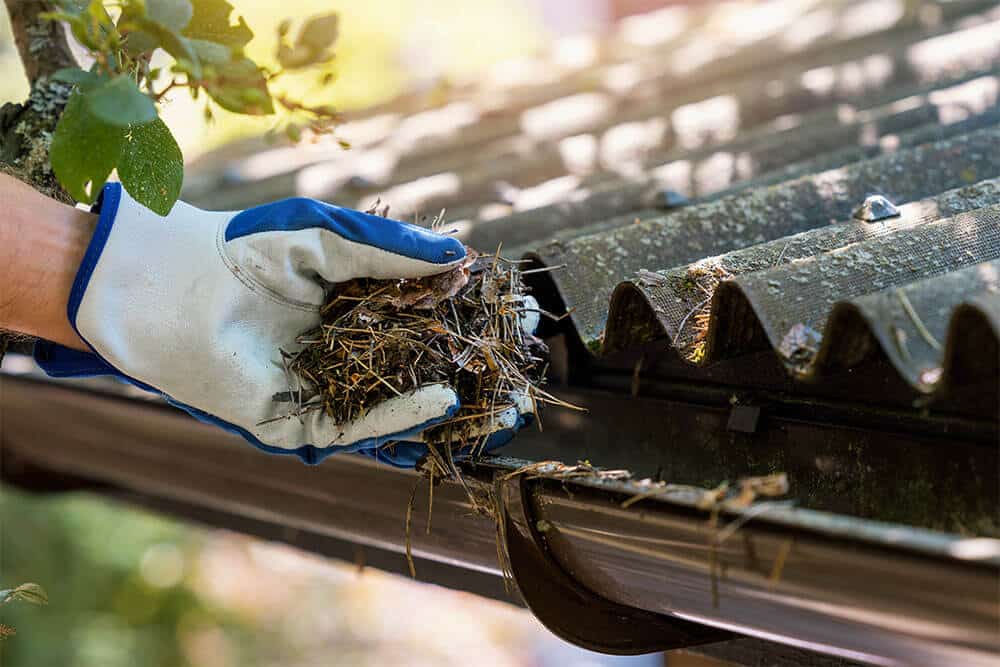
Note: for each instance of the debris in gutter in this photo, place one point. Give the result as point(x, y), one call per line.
point(724, 496)
point(720, 498)
point(751, 488)
point(562, 471)
point(382, 338)
point(741, 497)
point(779, 561)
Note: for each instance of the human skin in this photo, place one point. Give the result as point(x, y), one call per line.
point(42, 243)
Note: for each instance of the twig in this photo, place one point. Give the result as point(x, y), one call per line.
point(779, 561)
point(543, 269)
point(680, 327)
point(917, 322)
point(409, 520)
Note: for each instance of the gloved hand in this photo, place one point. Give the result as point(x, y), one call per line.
point(197, 305)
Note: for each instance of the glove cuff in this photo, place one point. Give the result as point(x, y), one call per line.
point(62, 362)
point(107, 210)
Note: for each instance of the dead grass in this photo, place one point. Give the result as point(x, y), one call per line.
point(383, 338)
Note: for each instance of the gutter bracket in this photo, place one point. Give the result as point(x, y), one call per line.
point(574, 613)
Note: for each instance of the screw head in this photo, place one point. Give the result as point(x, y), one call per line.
point(876, 208)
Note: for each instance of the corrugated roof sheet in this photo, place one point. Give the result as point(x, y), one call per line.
point(697, 185)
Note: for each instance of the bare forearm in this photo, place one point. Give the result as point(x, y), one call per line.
point(42, 243)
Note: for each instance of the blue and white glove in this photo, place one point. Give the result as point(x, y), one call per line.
point(197, 306)
point(493, 434)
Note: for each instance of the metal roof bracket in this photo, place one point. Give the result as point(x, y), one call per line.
point(573, 612)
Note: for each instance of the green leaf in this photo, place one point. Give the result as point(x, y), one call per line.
point(74, 7)
point(172, 14)
point(240, 87)
point(313, 44)
point(84, 150)
point(149, 35)
point(77, 6)
point(139, 41)
point(158, 24)
point(210, 53)
point(210, 22)
point(320, 32)
point(88, 20)
point(151, 167)
point(81, 78)
point(32, 593)
point(120, 102)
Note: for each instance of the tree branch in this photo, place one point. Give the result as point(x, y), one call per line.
point(41, 44)
point(26, 129)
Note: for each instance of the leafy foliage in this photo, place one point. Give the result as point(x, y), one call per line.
point(93, 557)
point(112, 120)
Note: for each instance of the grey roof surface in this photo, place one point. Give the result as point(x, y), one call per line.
point(694, 188)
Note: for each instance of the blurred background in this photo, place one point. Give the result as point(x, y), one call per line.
point(128, 587)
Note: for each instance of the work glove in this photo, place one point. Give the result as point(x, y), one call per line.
point(198, 305)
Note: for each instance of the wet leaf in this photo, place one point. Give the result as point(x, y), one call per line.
point(84, 150)
point(151, 167)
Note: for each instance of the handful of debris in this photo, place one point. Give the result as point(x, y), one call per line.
point(382, 338)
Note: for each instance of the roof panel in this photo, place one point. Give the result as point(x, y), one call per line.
point(758, 157)
point(596, 264)
point(677, 296)
point(911, 322)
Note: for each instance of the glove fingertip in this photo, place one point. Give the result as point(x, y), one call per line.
point(429, 254)
point(530, 315)
point(436, 399)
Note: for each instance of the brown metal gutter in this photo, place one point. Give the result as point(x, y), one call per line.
point(155, 450)
point(864, 590)
point(837, 596)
